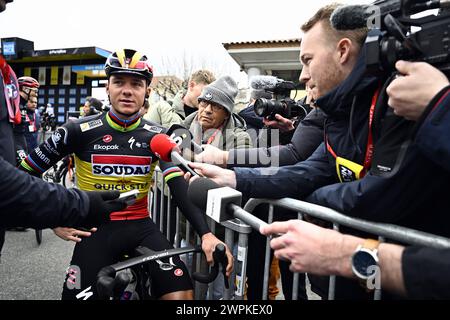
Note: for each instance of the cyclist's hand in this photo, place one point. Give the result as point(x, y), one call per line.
point(101, 204)
point(209, 242)
point(71, 234)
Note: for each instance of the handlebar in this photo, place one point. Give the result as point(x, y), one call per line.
point(109, 284)
point(220, 258)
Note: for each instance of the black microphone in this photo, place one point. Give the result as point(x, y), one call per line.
point(264, 82)
point(220, 203)
point(183, 138)
point(167, 150)
point(351, 17)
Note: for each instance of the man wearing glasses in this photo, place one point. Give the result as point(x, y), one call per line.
point(215, 123)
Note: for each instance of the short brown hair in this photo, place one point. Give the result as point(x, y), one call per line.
point(202, 76)
point(323, 15)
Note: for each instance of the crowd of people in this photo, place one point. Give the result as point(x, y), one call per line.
point(367, 149)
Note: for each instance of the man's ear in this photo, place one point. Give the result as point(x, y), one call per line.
point(344, 47)
point(147, 94)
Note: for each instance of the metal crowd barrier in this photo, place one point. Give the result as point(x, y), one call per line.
point(382, 230)
point(163, 212)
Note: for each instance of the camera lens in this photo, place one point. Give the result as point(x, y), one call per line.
point(265, 107)
point(261, 106)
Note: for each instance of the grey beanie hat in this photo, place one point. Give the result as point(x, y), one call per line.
point(222, 91)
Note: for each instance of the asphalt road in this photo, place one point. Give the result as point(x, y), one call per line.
point(32, 272)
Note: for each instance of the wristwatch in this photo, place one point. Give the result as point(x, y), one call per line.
point(365, 260)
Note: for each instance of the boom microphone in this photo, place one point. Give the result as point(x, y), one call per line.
point(351, 17)
point(167, 150)
point(221, 203)
point(264, 82)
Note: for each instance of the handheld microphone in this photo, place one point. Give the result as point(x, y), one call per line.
point(183, 138)
point(264, 82)
point(221, 203)
point(167, 150)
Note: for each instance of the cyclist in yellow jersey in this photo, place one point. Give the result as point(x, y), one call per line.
point(112, 153)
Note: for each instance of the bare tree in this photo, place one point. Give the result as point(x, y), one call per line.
point(174, 71)
point(167, 86)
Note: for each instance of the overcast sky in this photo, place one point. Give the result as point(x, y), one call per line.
point(158, 28)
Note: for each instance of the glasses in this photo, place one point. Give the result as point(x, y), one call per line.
point(214, 106)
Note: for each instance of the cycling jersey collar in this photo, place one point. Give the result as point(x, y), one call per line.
point(121, 124)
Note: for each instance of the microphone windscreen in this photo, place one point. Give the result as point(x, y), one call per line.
point(198, 191)
point(161, 145)
point(263, 82)
point(350, 17)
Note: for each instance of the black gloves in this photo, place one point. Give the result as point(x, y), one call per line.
point(101, 204)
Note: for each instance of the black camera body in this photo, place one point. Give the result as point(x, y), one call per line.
point(395, 41)
point(282, 104)
point(286, 108)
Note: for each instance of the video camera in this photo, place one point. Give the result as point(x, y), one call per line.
point(394, 39)
point(282, 104)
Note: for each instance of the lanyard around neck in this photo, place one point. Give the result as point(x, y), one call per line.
point(369, 149)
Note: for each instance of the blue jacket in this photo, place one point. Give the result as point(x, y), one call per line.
point(402, 185)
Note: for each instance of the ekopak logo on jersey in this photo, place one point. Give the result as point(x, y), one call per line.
point(118, 165)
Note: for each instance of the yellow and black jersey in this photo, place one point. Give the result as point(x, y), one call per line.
point(109, 155)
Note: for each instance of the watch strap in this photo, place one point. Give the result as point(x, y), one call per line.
point(371, 244)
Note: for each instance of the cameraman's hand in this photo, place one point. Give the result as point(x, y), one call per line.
point(281, 123)
point(101, 204)
point(212, 155)
point(410, 94)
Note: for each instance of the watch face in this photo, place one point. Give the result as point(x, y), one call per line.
point(362, 260)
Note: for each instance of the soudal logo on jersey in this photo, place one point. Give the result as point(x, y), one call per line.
point(119, 166)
